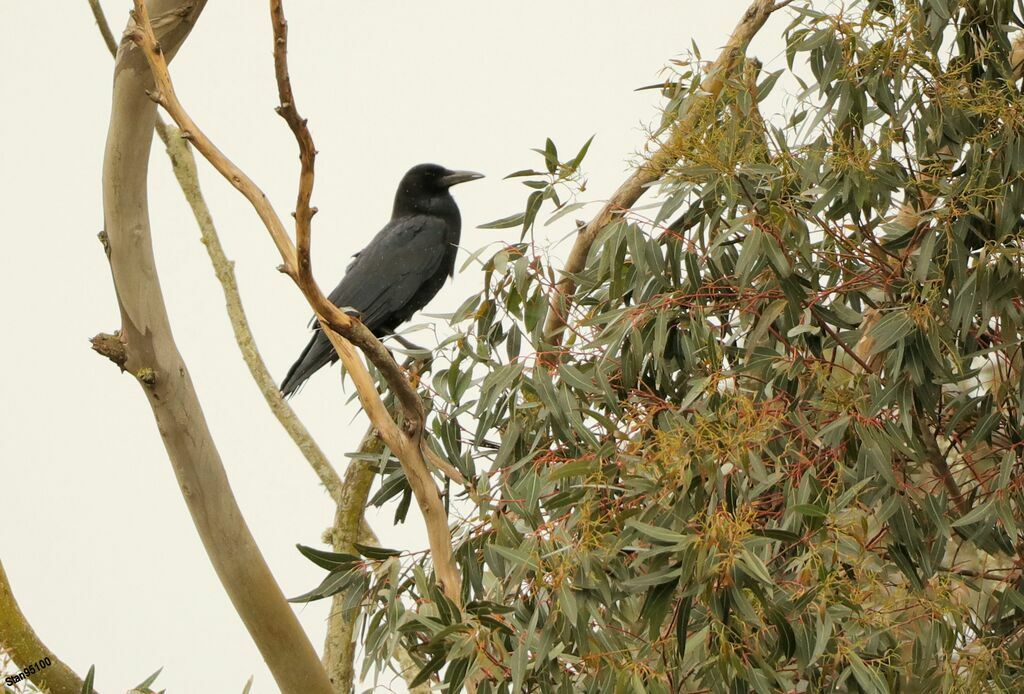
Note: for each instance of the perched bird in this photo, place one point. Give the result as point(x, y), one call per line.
point(401, 269)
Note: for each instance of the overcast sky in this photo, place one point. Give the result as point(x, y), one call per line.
point(96, 540)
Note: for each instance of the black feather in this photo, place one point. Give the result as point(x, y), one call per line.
point(400, 270)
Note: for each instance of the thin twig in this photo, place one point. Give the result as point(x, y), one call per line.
point(104, 27)
point(991, 575)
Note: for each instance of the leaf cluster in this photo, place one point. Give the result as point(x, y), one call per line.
point(780, 448)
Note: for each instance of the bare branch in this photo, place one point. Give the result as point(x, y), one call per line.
point(910, 216)
point(104, 27)
point(655, 167)
point(349, 528)
point(19, 639)
point(151, 352)
point(405, 442)
point(184, 166)
point(938, 463)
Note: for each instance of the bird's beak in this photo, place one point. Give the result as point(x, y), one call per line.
point(455, 177)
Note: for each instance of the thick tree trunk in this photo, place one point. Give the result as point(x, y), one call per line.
point(151, 355)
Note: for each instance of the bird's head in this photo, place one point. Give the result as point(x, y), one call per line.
point(424, 188)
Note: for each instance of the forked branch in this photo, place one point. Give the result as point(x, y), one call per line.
point(151, 354)
point(342, 330)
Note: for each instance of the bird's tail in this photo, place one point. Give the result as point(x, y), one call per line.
point(317, 354)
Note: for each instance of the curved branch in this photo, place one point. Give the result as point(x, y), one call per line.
point(405, 442)
point(349, 495)
point(302, 267)
point(20, 640)
point(184, 166)
point(154, 358)
point(654, 168)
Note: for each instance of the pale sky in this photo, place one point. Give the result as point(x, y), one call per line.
point(96, 540)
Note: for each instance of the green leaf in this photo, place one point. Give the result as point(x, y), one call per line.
point(809, 510)
point(379, 553)
point(660, 534)
point(567, 601)
point(331, 561)
point(754, 567)
point(867, 677)
point(768, 316)
point(575, 378)
point(533, 204)
point(334, 583)
point(577, 468)
point(976, 514)
point(516, 556)
point(575, 162)
point(89, 677)
point(550, 155)
point(893, 327)
point(524, 172)
point(145, 684)
point(563, 211)
point(513, 220)
point(432, 666)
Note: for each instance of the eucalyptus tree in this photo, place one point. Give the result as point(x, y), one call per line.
point(766, 434)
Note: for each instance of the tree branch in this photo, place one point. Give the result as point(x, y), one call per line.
point(350, 494)
point(340, 644)
point(151, 350)
point(407, 443)
point(910, 215)
point(937, 461)
point(184, 166)
point(20, 640)
point(104, 26)
point(666, 155)
point(404, 442)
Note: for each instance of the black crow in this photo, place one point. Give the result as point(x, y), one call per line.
point(402, 268)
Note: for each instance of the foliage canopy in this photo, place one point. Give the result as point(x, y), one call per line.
point(780, 447)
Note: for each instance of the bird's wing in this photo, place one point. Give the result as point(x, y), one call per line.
point(387, 274)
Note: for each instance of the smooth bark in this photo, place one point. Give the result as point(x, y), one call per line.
point(406, 442)
point(152, 356)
